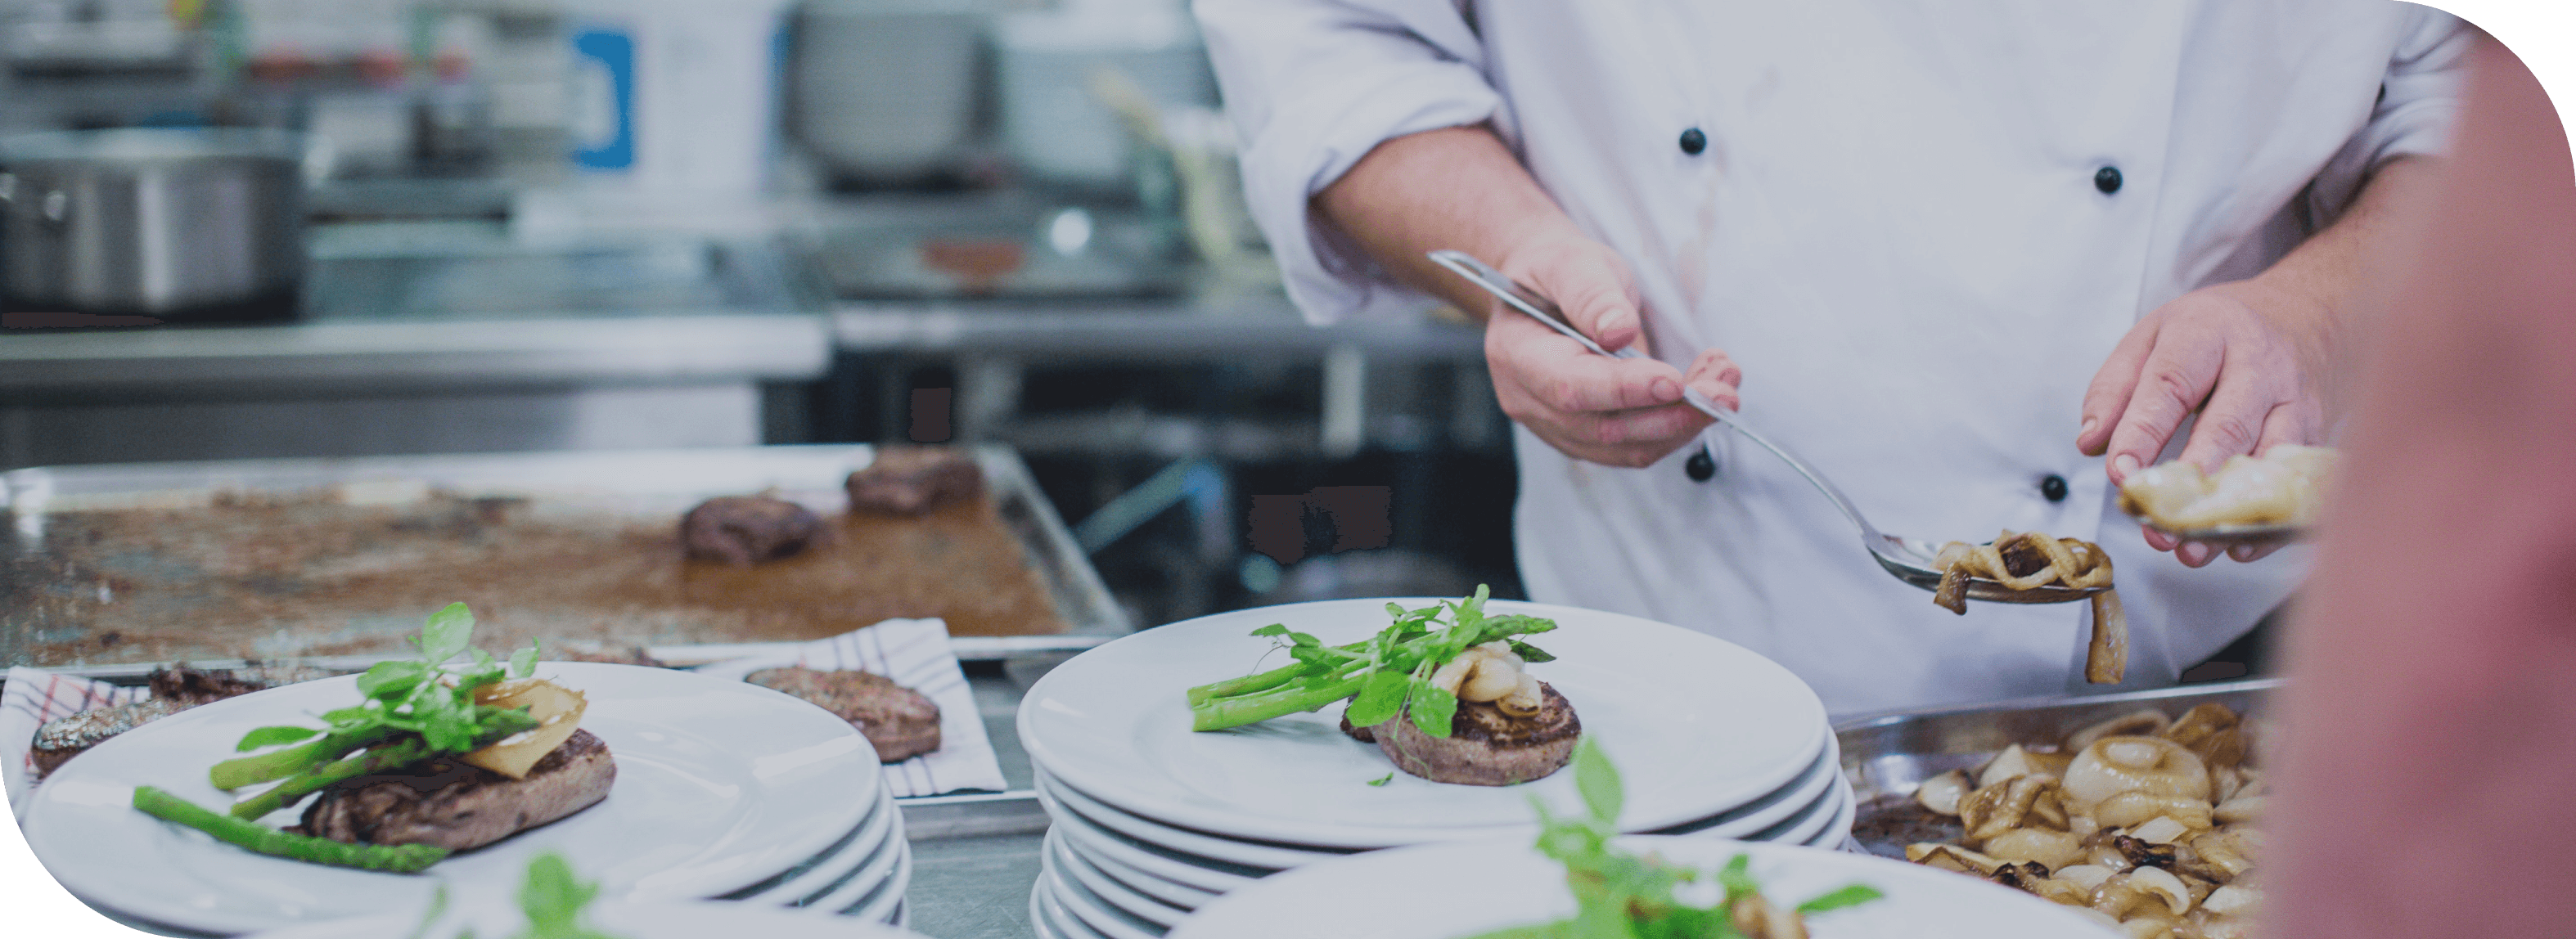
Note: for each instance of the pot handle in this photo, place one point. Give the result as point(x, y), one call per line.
point(55, 207)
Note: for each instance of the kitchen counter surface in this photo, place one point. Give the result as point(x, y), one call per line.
point(1177, 328)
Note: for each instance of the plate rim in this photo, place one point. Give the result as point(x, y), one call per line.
point(1333, 834)
point(1083, 828)
point(1065, 856)
point(36, 824)
point(1201, 926)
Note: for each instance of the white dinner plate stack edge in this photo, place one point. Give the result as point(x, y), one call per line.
point(1473, 888)
point(1153, 821)
point(724, 791)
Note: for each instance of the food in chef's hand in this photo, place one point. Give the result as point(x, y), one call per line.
point(173, 689)
point(1467, 712)
point(2285, 486)
point(436, 758)
point(747, 530)
point(899, 722)
point(2146, 821)
point(2030, 559)
point(1619, 895)
point(914, 480)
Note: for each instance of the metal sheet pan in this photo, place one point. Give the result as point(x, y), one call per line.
point(641, 484)
point(1887, 755)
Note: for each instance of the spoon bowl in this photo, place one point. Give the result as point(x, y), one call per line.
point(1910, 559)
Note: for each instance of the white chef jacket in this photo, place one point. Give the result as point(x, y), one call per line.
point(1898, 226)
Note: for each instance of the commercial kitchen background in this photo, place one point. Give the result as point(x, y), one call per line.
point(761, 222)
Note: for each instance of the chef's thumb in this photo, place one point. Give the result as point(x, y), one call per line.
point(1594, 295)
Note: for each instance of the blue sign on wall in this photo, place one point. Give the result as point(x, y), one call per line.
point(603, 99)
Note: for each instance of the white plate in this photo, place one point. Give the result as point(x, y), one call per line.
point(1838, 831)
point(1099, 884)
point(1049, 918)
point(1787, 801)
point(1169, 891)
point(855, 881)
point(1080, 906)
point(1247, 853)
point(808, 877)
point(1207, 874)
point(881, 902)
point(1809, 824)
point(1700, 725)
point(720, 785)
point(626, 920)
point(1451, 890)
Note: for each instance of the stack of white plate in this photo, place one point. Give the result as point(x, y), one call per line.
point(610, 917)
point(1447, 890)
point(724, 790)
point(1152, 820)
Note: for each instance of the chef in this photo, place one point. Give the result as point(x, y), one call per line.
point(1974, 261)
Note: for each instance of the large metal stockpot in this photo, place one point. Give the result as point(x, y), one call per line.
point(182, 224)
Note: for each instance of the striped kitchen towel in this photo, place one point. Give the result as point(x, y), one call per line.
point(915, 653)
point(33, 697)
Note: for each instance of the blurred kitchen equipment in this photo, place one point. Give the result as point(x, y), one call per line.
point(96, 37)
point(674, 97)
point(198, 224)
point(1052, 125)
point(1199, 143)
point(887, 90)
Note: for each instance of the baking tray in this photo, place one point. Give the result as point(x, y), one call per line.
point(645, 490)
point(1887, 755)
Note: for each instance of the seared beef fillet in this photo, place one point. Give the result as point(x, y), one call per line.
point(174, 689)
point(1485, 746)
point(60, 740)
point(1361, 734)
point(914, 480)
point(898, 721)
point(452, 805)
point(746, 530)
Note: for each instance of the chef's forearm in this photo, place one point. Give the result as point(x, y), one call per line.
point(1456, 188)
point(2331, 273)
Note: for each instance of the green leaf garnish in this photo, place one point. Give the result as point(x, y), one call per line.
point(1598, 781)
point(448, 632)
point(1849, 896)
point(272, 736)
point(1433, 709)
point(1380, 781)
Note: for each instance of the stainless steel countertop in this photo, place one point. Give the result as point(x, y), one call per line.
point(304, 357)
point(1181, 328)
point(975, 857)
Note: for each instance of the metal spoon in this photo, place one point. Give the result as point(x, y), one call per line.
point(1910, 559)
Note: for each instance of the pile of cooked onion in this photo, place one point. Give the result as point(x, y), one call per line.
point(2145, 822)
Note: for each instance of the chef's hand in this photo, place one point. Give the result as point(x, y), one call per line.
point(1618, 412)
point(2241, 354)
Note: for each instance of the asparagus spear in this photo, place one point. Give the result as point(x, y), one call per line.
point(399, 859)
point(279, 764)
point(1386, 673)
point(382, 759)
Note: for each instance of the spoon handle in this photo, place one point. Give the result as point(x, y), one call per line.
point(1542, 309)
